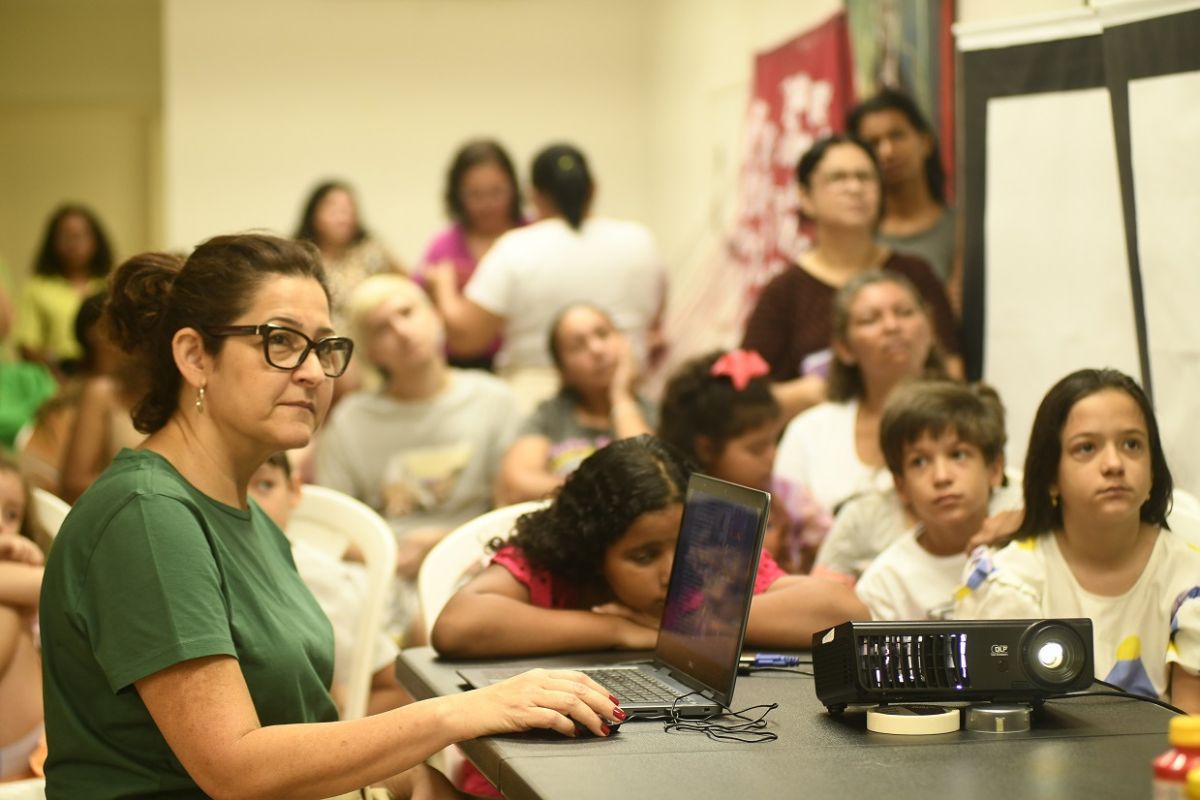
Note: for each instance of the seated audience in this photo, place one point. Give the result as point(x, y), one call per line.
point(596, 404)
point(870, 522)
point(483, 201)
point(20, 583)
point(590, 571)
point(916, 218)
point(330, 220)
point(1094, 542)
point(212, 659)
point(339, 587)
point(103, 424)
point(838, 182)
point(719, 410)
point(72, 263)
point(424, 450)
point(883, 335)
point(568, 256)
point(944, 445)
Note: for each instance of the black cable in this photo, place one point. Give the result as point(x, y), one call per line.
point(792, 670)
point(1117, 691)
point(748, 731)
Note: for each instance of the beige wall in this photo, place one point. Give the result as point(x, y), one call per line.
point(264, 99)
point(702, 67)
point(997, 10)
point(79, 96)
point(260, 100)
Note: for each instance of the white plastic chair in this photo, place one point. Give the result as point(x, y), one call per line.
point(31, 789)
point(51, 510)
point(333, 521)
point(1184, 518)
point(462, 549)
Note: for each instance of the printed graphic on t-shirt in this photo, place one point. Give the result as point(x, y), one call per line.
point(567, 455)
point(1129, 672)
point(423, 479)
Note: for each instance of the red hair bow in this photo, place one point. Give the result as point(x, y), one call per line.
point(741, 367)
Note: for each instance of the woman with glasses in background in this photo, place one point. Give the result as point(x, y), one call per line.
point(838, 181)
point(182, 653)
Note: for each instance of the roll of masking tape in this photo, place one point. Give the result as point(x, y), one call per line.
point(913, 719)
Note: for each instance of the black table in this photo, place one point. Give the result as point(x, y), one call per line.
point(1078, 748)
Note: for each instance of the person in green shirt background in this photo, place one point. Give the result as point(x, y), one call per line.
point(182, 654)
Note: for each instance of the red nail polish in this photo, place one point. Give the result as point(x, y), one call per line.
point(619, 713)
point(605, 729)
point(616, 702)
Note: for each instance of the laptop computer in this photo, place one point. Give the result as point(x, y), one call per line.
point(704, 617)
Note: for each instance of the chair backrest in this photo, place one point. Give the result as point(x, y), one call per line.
point(51, 510)
point(451, 559)
point(333, 521)
point(1184, 518)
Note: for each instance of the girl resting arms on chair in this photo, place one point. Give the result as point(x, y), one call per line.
point(183, 655)
point(590, 571)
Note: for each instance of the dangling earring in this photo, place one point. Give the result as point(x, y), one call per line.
point(200, 400)
point(1054, 499)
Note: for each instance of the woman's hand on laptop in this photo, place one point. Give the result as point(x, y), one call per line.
point(554, 699)
point(636, 630)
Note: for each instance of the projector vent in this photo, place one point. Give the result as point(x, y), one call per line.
point(927, 661)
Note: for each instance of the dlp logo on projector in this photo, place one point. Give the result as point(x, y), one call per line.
point(999, 649)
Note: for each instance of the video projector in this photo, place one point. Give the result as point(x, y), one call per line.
point(1012, 661)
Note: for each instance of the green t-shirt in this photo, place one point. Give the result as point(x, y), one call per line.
point(147, 572)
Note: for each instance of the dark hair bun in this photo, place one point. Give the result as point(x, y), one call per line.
point(138, 296)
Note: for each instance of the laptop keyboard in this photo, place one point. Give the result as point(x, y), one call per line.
point(633, 685)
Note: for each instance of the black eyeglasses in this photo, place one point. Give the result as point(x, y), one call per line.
point(287, 348)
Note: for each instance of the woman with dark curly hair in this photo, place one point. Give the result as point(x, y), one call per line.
point(590, 571)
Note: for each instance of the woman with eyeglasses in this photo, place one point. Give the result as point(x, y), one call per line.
point(182, 654)
point(838, 181)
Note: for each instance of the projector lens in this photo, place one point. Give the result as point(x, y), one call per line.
point(1054, 654)
point(1051, 655)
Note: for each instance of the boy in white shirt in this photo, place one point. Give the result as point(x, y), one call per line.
point(944, 445)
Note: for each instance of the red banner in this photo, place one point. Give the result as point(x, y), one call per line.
point(802, 91)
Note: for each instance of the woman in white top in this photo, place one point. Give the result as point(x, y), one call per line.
point(530, 273)
point(883, 335)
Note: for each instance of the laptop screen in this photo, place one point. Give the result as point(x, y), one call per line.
point(712, 583)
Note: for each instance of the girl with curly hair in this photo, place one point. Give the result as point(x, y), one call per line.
point(590, 571)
